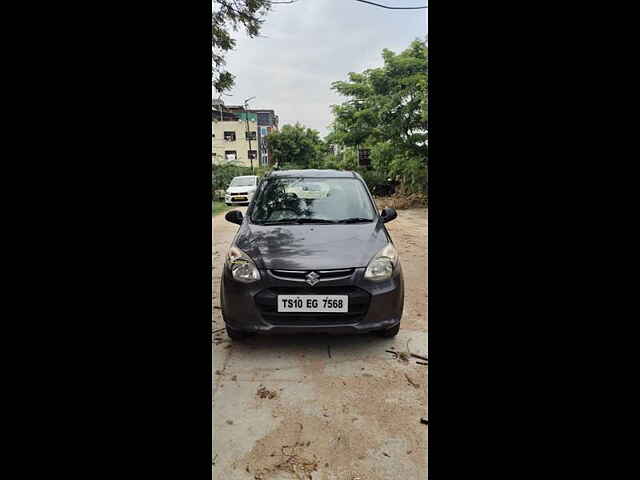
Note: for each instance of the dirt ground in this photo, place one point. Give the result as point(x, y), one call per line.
point(319, 407)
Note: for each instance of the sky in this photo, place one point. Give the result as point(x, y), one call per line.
point(307, 45)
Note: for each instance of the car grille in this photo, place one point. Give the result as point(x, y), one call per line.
point(300, 275)
point(266, 301)
point(315, 319)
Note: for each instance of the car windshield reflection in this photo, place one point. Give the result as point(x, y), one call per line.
point(312, 200)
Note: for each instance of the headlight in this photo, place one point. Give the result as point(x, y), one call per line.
point(242, 267)
point(382, 264)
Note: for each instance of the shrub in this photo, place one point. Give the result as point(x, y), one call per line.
point(223, 174)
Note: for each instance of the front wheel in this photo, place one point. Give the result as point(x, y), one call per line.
point(391, 332)
point(236, 334)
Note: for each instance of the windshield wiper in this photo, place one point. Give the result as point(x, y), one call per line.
point(295, 221)
point(313, 220)
point(354, 220)
point(271, 222)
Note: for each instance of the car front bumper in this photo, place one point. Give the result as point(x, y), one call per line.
point(373, 306)
point(237, 199)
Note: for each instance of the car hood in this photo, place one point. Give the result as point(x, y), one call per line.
point(240, 189)
point(312, 246)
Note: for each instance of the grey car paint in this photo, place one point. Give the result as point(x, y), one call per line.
point(312, 247)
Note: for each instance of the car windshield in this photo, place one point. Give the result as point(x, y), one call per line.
point(243, 182)
point(312, 200)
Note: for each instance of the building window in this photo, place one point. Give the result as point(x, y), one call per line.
point(264, 118)
point(250, 135)
point(252, 154)
point(230, 136)
point(230, 155)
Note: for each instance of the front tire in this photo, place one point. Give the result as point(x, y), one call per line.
point(236, 334)
point(391, 332)
point(231, 332)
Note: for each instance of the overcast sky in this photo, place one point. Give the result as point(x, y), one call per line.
point(306, 45)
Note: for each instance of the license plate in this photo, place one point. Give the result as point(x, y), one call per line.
point(313, 303)
point(237, 199)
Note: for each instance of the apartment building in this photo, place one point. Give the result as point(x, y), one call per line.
point(267, 123)
point(230, 140)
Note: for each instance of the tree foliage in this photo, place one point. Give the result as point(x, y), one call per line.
point(231, 15)
point(386, 111)
point(222, 174)
point(296, 145)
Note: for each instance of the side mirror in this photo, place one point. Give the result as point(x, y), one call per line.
point(234, 216)
point(388, 214)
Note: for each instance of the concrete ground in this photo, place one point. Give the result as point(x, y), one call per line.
point(319, 407)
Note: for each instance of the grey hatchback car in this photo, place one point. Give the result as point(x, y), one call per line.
point(312, 255)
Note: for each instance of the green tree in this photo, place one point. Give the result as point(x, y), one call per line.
point(297, 146)
point(232, 14)
point(222, 174)
point(386, 111)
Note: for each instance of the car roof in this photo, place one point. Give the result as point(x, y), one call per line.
point(246, 176)
point(313, 173)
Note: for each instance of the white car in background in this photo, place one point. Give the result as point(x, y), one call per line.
point(241, 190)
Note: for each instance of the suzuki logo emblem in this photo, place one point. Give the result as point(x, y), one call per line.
point(312, 278)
